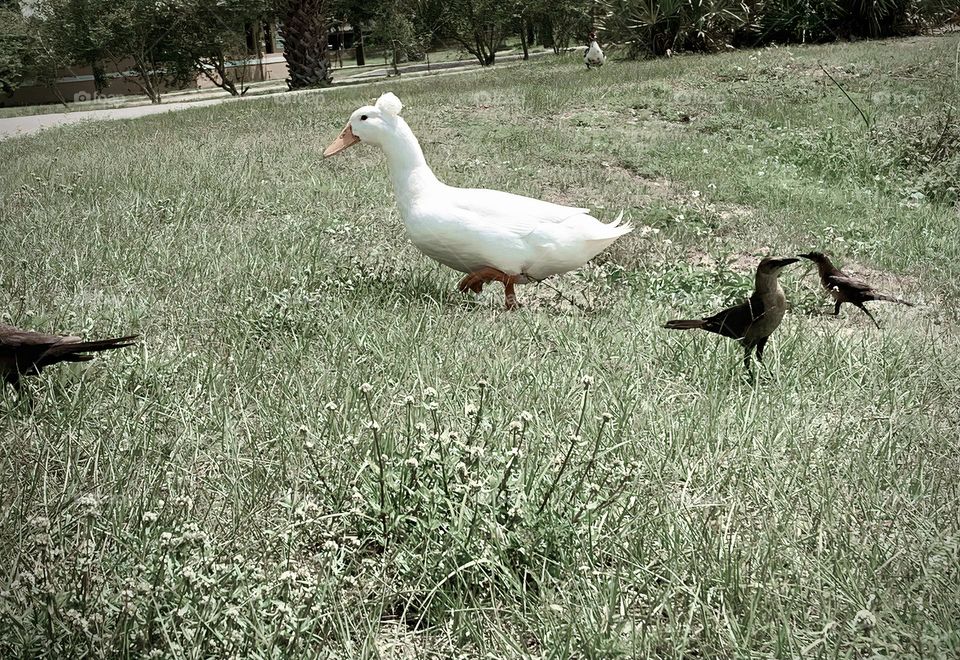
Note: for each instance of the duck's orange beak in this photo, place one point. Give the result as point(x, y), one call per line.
point(344, 140)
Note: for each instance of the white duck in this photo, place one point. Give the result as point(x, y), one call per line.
point(594, 56)
point(488, 234)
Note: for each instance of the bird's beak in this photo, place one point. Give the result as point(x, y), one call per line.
point(782, 263)
point(344, 140)
point(807, 255)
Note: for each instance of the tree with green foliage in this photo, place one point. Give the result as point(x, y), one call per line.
point(16, 49)
point(478, 25)
point(213, 36)
point(563, 21)
point(74, 32)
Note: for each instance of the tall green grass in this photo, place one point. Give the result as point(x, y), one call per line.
point(319, 448)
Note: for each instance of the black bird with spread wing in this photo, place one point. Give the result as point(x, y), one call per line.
point(847, 289)
point(751, 322)
point(26, 353)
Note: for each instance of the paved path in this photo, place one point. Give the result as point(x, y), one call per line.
point(27, 124)
point(14, 126)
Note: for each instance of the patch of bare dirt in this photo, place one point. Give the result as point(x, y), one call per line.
point(744, 262)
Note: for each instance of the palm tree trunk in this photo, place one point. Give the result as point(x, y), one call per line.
point(305, 43)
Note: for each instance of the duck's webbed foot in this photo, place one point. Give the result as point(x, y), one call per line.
point(471, 283)
point(475, 281)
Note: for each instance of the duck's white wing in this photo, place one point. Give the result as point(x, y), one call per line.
point(508, 213)
point(468, 229)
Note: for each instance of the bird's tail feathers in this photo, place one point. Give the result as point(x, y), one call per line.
point(885, 298)
point(78, 347)
point(685, 324)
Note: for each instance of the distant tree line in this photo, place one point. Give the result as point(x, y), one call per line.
point(161, 42)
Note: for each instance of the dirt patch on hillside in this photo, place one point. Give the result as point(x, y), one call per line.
point(744, 262)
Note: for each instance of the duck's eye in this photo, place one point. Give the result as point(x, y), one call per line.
point(363, 118)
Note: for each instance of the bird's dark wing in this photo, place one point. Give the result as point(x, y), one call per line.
point(735, 321)
point(848, 284)
point(12, 337)
point(21, 349)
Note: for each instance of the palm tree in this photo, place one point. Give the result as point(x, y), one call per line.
point(304, 33)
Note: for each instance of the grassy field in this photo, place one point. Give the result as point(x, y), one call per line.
point(319, 448)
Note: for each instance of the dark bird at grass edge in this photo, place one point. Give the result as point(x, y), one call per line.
point(846, 288)
point(26, 353)
point(751, 322)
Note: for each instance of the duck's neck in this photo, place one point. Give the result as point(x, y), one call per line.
point(409, 172)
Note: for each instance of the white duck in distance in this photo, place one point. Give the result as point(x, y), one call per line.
point(488, 234)
point(594, 56)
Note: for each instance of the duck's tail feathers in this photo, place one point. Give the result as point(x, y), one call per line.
point(614, 229)
point(685, 324)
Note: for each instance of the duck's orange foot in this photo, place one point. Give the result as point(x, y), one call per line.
point(475, 281)
point(471, 283)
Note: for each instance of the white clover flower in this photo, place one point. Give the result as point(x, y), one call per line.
point(331, 406)
point(482, 383)
point(39, 521)
point(373, 426)
point(366, 388)
point(408, 400)
point(526, 416)
point(150, 517)
point(330, 545)
point(865, 620)
point(420, 427)
point(515, 425)
point(412, 462)
point(587, 381)
point(429, 393)
point(606, 416)
point(470, 410)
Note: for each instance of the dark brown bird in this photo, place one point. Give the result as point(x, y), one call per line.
point(26, 353)
point(752, 322)
point(846, 288)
